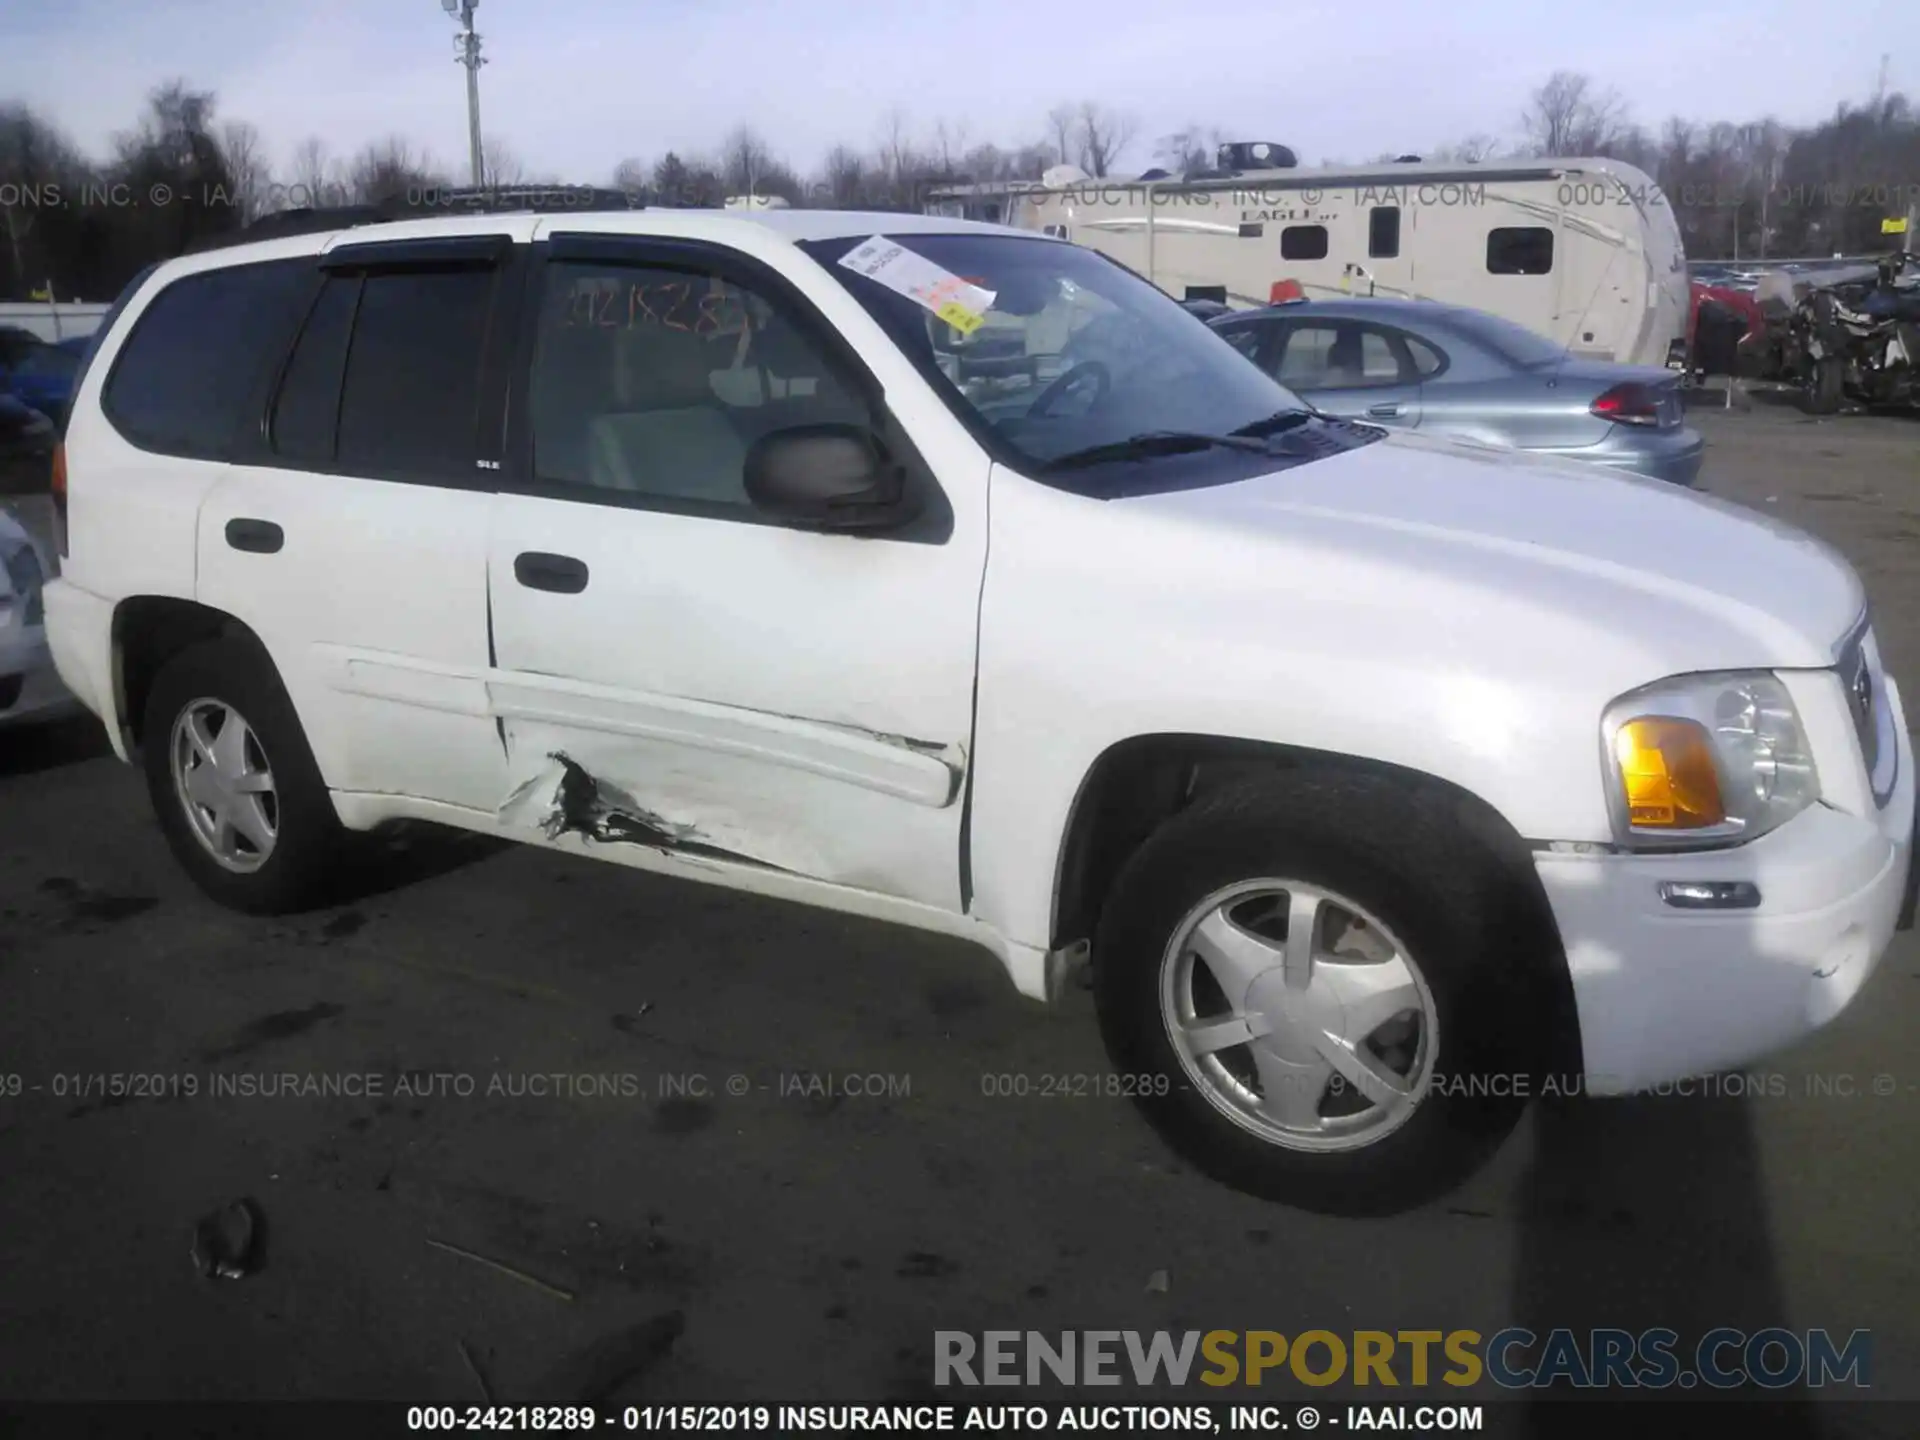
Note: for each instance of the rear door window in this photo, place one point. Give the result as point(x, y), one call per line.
point(410, 397)
point(308, 408)
point(183, 381)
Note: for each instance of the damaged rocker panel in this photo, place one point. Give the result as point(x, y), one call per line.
point(578, 803)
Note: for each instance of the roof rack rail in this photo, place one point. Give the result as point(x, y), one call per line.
point(421, 201)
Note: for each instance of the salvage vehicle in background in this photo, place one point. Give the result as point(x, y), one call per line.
point(1444, 370)
point(1859, 339)
point(1374, 775)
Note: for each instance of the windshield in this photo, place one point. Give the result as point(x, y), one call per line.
point(1513, 343)
point(1068, 353)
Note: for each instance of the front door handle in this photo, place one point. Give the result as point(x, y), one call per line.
point(257, 537)
point(562, 574)
point(1386, 411)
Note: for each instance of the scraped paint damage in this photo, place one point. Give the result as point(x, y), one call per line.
point(567, 799)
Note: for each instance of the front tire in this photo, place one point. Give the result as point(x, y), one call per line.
point(1826, 386)
point(234, 783)
point(1318, 986)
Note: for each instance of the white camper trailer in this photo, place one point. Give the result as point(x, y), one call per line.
point(1586, 252)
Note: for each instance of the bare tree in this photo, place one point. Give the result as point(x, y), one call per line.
point(845, 180)
point(1102, 134)
point(35, 162)
point(745, 161)
point(247, 165)
point(1470, 151)
point(500, 166)
point(633, 176)
point(391, 169)
point(949, 144)
point(1569, 115)
point(314, 178)
point(1062, 130)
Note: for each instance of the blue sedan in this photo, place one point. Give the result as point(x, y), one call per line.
point(1445, 370)
point(42, 378)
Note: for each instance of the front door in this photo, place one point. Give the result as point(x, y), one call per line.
point(677, 670)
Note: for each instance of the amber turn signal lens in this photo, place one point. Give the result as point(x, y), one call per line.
point(1667, 768)
point(60, 472)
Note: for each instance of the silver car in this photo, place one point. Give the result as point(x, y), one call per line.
point(1444, 370)
point(30, 690)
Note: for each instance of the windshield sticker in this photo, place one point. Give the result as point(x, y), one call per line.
point(958, 302)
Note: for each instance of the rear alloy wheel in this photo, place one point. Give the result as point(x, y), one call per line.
point(234, 784)
point(224, 783)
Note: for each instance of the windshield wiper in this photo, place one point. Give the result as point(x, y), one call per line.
point(1151, 443)
point(1279, 421)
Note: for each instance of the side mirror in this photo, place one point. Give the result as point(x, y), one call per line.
point(836, 476)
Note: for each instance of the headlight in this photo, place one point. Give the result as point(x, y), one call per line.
point(1705, 760)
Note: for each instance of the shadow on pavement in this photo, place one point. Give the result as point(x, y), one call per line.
point(30, 749)
point(394, 858)
point(1649, 1213)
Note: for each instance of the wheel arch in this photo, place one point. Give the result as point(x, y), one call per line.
point(148, 631)
point(1138, 783)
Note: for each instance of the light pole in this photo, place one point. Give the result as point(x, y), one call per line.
point(467, 46)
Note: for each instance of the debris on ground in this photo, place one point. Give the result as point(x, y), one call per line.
point(228, 1242)
point(505, 1269)
point(1157, 1283)
point(595, 1373)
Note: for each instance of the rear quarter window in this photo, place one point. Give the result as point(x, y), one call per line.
point(198, 353)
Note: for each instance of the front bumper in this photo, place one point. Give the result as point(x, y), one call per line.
point(1663, 994)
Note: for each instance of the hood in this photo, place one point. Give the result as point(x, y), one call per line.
point(1544, 556)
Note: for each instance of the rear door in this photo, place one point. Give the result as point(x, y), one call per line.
point(350, 531)
point(1355, 369)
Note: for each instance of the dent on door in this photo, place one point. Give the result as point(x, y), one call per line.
point(807, 796)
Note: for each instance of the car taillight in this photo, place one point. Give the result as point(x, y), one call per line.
point(60, 498)
point(1629, 404)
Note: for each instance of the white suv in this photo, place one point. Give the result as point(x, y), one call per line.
point(1380, 780)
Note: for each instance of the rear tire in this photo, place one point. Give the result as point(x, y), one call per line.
point(1423, 967)
point(244, 810)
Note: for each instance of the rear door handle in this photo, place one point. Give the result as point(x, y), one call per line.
point(258, 537)
point(562, 574)
point(1384, 412)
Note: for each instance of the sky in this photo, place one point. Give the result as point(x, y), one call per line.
point(575, 86)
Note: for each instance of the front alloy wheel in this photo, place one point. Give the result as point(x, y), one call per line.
point(1298, 1015)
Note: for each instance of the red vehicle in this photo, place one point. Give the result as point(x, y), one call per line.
point(1708, 355)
